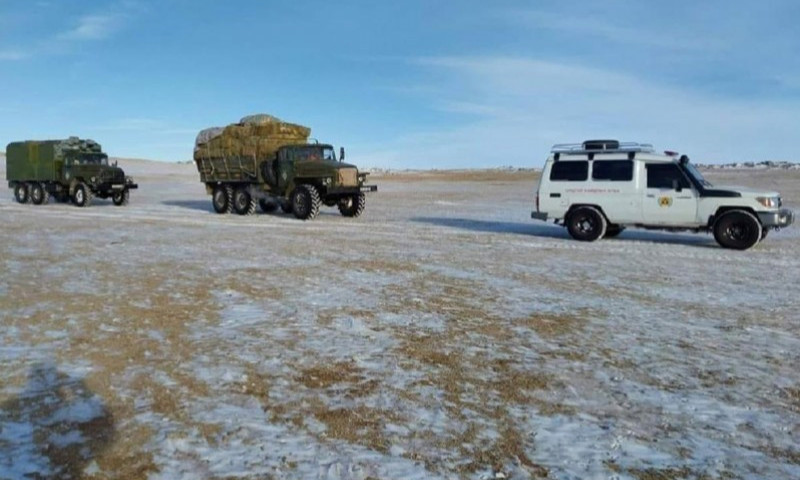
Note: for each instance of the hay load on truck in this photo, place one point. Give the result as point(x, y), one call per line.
point(263, 160)
point(71, 169)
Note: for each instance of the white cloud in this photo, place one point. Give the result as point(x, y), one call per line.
point(13, 55)
point(94, 27)
point(515, 108)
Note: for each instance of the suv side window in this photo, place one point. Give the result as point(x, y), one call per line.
point(612, 170)
point(661, 175)
point(569, 171)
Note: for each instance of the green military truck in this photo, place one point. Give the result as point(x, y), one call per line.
point(262, 160)
point(71, 169)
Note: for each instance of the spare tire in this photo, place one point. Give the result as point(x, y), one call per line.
point(268, 173)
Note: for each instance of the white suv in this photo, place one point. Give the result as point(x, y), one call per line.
point(599, 187)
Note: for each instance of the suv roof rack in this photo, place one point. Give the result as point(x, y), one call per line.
point(602, 146)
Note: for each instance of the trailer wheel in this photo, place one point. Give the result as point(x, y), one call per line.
point(353, 206)
point(243, 202)
point(222, 199)
point(121, 197)
point(305, 202)
point(267, 206)
point(21, 193)
point(39, 195)
point(82, 196)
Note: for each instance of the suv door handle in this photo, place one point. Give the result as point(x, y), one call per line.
point(555, 195)
point(650, 196)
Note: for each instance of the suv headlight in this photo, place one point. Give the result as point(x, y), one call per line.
point(769, 202)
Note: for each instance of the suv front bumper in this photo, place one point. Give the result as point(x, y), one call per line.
point(780, 219)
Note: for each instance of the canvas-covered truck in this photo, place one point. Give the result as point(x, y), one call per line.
point(267, 162)
point(71, 169)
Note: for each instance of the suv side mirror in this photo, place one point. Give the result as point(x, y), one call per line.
point(676, 185)
point(341, 154)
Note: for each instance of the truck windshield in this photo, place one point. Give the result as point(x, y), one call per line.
point(92, 159)
point(328, 154)
point(695, 173)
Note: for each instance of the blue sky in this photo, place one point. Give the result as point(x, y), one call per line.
point(408, 84)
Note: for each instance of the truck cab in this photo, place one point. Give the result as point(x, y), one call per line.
point(600, 187)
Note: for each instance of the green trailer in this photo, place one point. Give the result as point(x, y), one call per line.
point(71, 169)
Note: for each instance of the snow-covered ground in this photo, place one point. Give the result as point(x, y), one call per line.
point(444, 334)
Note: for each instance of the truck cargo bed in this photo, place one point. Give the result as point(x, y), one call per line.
point(234, 169)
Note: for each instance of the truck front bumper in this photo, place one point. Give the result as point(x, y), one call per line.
point(352, 190)
point(780, 219)
point(539, 216)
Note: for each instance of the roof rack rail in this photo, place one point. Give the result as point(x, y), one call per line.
point(602, 146)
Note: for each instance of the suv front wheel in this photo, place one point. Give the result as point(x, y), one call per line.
point(586, 224)
point(737, 229)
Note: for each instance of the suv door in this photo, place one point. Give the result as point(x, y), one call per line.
point(669, 198)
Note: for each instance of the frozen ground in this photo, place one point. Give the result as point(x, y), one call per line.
point(444, 334)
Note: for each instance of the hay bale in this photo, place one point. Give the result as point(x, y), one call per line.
point(258, 136)
point(259, 119)
point(207, 134)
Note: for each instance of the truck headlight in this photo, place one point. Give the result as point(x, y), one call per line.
point(769, 202)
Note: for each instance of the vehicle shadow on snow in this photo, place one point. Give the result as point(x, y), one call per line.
point(202, 205)
point(54, 428)
point(554, 231)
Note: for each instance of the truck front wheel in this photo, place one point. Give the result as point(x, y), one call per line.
point(222, 198)
point(120, 197)
point(353, 206)
point(21, 193)
point(82, 196)
point(737, 229)
point(305, 202)
point(586, 224)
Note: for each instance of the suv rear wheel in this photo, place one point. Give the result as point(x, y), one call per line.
point(586, 224)
point(737, 229)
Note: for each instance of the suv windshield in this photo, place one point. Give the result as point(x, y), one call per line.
point(695, 173)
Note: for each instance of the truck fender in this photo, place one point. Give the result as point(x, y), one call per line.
point(73, 184)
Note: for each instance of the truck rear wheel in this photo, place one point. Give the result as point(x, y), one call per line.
point(121, 197)
point(21, 192)
point(243, 202)
point(39, 195)
point(222, 199)
point(353, 206)
point(737, 229)
point(586, 224)
point(82, 196)
point(305, 202)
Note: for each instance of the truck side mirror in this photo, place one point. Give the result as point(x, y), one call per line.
point(676, 185)
point(341, 154)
